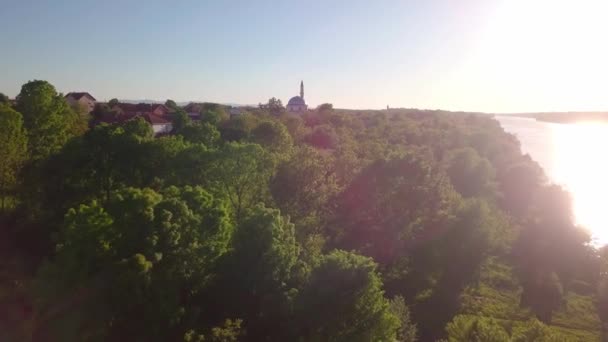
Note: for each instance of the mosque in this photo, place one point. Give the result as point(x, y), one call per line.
point(297, 104)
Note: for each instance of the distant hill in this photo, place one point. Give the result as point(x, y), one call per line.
point(564, 117)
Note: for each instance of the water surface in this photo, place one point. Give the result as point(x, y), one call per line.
point(574, 156)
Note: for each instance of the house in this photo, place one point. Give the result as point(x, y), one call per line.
point(160, 125)
point(132, 109)
point(157, 115)
point(194, 110)
point(81, 99)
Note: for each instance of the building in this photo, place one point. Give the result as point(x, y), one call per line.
point(297, 104)
point(82, 99)
point(132, 109)
point(160, 125)
point(157, 115)
point(194, 110)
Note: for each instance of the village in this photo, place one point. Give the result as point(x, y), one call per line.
point(159, 115)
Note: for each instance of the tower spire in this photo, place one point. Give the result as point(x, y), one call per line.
point(302, 89)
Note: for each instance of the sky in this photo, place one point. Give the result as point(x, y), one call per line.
point(474, 55)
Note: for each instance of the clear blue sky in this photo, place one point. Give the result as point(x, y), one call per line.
point(483, 55)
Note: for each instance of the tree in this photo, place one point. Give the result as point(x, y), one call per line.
point(475, 329)
point(470, 174)
point(202, 133)
point(448, 258)
point(274, 106)
point(534, 330)
point(180, 120)
point(171, 104)
point(325, 107)
point(518, 184)
point(303, 188)
point(274, 137)
point(13, 149)
point(264, 244)
point(138, 129)
point(343, 301)
point(239, 127)
point(113, 102)
point(47, 117)
point(407, 332)
point(4, 99)
point(81, 123)
point(382, 211)
point(213, 113)
point(241, 172)
point(72, 176)
point(551, 250)
point(323, 136)
point(230, 331)
point(465, 328)
point(133, 267)
point(543, 295)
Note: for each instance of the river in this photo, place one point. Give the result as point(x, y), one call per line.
point(574, 156)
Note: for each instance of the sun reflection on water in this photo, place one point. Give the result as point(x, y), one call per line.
point(581, 166)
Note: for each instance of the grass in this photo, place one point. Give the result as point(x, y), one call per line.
point(497, 295)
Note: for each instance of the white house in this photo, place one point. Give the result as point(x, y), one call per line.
point(159, 124)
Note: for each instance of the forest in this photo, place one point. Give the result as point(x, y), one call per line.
point(334, 225)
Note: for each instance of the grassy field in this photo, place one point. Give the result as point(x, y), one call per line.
point(497, 295)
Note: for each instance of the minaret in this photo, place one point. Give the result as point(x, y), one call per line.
point(302, 89)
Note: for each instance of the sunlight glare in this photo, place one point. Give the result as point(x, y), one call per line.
point(548, 52)
point(581, 167)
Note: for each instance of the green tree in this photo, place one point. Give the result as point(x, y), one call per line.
point(213, 113)
point(407, 332)
point(171, 104)
point(241, 172)
point(390, 203)
point(201, 133)
point(113, 102)
point(4, 99)
point(230, 331)
point(134, 267)
point(71, 176)
point(543, 294)
point(343, 301)
point(239, 127)
point(323, 136)
point(475, 329)
point(325, 107)
point(274, 137)
point(303, 188)
point(101, 111)
point(264, 244)
point(274, 106)
point(602, 298)
point(551, 250)
point(82, 119)
point(470, 174)
point(534, 330)
point(180, 120)
point(13, 149)
point(47, 117)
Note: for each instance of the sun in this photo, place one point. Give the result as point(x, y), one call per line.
point(547, 55)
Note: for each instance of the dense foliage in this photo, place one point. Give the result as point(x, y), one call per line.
point(335, 225)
